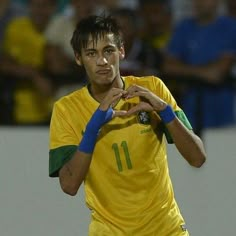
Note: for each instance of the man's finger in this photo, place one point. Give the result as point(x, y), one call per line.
point(120, 113)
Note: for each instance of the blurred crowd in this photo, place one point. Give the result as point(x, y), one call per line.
point(191, 45)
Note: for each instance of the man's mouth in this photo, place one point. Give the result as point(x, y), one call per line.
point(103, 71)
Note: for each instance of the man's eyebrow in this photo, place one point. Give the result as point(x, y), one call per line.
point(109, 46)
point(89, 49)
point(93, 49)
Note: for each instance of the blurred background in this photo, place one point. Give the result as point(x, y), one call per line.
point(189, 44)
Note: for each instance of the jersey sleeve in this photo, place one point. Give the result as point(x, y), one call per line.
point(63, 140)
point(163, 92)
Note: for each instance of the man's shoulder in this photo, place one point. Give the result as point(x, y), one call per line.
point(140, 78)
point(148, 81)
point(71, 98)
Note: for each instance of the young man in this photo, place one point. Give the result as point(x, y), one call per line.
point(110, 134)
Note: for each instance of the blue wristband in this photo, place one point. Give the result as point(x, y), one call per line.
point(98, 119)
point(167, 115)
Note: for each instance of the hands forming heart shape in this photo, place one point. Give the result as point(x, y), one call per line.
point(148, 100)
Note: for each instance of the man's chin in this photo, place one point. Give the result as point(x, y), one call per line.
point(105, 80)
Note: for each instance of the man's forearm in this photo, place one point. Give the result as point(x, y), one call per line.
point(188, 144)
point(73, 173)
point(173, 67)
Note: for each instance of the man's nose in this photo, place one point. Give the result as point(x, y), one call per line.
point(101, 60)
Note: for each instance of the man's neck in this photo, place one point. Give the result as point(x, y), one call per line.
point(99, 92)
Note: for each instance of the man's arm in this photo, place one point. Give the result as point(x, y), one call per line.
point(73, 173)
point(214, 72)
point(188, 144)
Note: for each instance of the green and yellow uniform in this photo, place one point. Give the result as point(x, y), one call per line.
point(128, 187)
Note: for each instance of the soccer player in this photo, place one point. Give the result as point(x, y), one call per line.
point(111, 134)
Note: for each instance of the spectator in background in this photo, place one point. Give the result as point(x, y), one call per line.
point(61, 65)
point(131, 4)
point(231, 12)
point(201, 49)
point(105, 6)
point(182, 9)
point(8, 11)
point(231, 8)
point(61, 26)
point(157, 22)
point(141, 58)
point(24, 49)
point(156, 19)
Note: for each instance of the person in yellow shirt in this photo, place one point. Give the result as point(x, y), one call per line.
point(24, 49)
point(157, 20)
point(110, 135)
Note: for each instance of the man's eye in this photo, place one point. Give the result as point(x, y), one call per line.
point(109, 51)
point(91, 54)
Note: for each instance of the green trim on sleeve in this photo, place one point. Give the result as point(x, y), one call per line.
point(58, 157)
point(182, 117)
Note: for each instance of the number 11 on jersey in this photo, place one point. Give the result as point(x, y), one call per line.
point(116, 148)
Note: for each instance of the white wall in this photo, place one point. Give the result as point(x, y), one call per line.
point(32, 204)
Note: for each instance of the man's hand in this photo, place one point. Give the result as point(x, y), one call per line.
point(148, 100)
point(111, 98)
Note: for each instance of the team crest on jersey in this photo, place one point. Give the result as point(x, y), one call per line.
point(144, 117)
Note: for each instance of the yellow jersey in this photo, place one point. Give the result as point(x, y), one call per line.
point(24, 42)
point(26, 45)
point(127, 187)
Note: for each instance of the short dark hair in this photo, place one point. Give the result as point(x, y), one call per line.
point(95, 26)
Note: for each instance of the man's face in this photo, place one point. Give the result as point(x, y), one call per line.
point(101, 59)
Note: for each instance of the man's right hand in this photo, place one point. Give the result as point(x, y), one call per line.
point(112, 98)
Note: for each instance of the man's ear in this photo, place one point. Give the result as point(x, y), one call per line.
point(78, 59)
point(122, 53)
